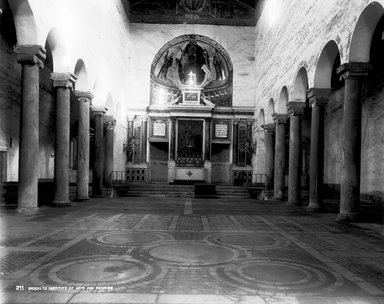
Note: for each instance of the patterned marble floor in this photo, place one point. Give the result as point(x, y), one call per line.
point(184, 251)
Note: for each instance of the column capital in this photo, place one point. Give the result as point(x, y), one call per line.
point(318, 97)
point(280, 118)
point(295, 108)
point(109, 122)
point(63, 80)
point(31, 54)
point(84, 96)
point(353, 70)
point(99, 110)
point(269, 128)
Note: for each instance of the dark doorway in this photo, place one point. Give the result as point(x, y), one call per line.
point(159, 162)
point(3, 172)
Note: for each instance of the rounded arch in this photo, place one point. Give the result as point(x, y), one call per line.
point(109, 104)
point(271, 109)
point(58, 50)
point(300, 86)
point(325, 65)
point(261, 118)
point(362, 35)
point(187, 60)
point(283, 101)
point(7, 24)
point(118, 113)
point(24, 21)
point(100, 93)
point(82, 76)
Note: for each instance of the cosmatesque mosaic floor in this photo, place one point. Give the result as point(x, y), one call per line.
point(186, 250)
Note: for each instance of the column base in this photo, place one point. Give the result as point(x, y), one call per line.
point(81, 198)
point(28, 210)
point(295, 203)
point(279, 195)
point(57, 203)
point(315, 207)
point(347, 217)
point(97, 196)
point(278, 198)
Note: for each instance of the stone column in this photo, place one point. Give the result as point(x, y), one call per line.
point(63, 82)
point(208, 122)
point(110, 124)
point(269, 139)
point(31, 58)
point(98, 165)
point(172, 140)
point(82, 192)
point(318, 98)
point(235, 142)
point(279, 174)
point(295, 111)
point(354, 74)
point(144, 141)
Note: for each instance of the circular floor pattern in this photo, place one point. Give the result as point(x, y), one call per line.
point(90, 271)
point(256, 241)
point(280, 276)
point(193, 254)
point(126, 238)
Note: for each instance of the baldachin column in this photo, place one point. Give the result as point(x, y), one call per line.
point(31, 58)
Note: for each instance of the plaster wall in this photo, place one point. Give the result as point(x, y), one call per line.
point(95, 31)
point(147, 39)
point(333, 140)
point(47, 125)
point(10, 79)
point(372, 146)
point(10, 91)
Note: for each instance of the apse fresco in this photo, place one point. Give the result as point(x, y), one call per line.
point(191, 60)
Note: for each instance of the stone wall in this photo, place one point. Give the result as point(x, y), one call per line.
point(10, 79)
point(297, 37)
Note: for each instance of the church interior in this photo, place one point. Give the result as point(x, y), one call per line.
point(191, 151)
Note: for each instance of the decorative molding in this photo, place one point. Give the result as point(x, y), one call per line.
point(269, 128)
point(84, 96)
point(99, 110)
point(296, 108)
point(63, 80)
point(30, 54)
point(109, 123)
point(318, 97)
point(354, 70)
point(280, 118)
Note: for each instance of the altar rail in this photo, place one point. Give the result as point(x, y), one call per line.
point(130, 175)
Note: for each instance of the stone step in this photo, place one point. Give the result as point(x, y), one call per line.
point(166, 190)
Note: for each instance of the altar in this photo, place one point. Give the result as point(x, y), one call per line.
point(191, 132)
